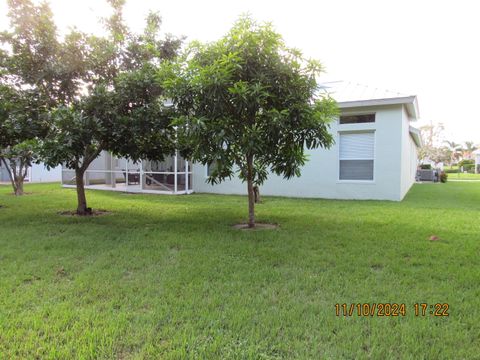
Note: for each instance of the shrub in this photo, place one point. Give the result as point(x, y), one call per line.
point(467, 165)
point(466, 162)
point(452, 170)
point(470, 170)
point(425, 166)
point(443, 177)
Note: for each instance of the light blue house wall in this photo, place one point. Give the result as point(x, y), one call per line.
point(36, 174)
point(390, 141)
point(394, 163)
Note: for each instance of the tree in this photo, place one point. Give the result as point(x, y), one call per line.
point(79, 80)
point(439, 154)
point(432, 134)
point(432, 149)
point(123, 120)
point(455, 151)
point(76, 139)
point(22, 123)
point(17, 160)
point(122, 111)
point(246, 104)
point(469, 149)
point(31, 82)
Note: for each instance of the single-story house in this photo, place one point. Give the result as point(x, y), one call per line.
point(35, 174)
point(476, 156)
point(374, 157)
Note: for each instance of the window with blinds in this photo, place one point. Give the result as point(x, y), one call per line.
point(357, 155)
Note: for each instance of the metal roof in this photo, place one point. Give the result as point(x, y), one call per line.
point(346, 91)
point(350, 94)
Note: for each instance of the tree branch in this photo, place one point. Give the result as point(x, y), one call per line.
point(10, 175)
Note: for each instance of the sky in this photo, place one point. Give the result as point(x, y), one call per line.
point(424, 48)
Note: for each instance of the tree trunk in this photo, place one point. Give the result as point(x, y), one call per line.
point(256, 190)
point(20, 177)
point(15, 179)
point(89, 156)
point(18, 187)
point(251, 193)
point(82, 208)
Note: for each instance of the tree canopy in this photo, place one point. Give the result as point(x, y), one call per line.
point(31, 82)
point(23, 120)
point(100, 92)
point(249, 105)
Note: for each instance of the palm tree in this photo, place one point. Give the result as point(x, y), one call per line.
point(455, 150)
point(469, 149)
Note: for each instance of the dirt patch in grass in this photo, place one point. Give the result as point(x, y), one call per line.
point(31, 279)
point(98, 212)
point(258, 226)
point(376, 267)
point(61, 272)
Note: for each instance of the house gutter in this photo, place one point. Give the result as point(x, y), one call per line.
point(410, 102)
point(416, 136)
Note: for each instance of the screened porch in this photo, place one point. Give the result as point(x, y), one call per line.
point(107, 172)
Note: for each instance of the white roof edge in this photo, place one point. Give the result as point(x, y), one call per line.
point(414, 110)
point(410, 102)
point(416, 136)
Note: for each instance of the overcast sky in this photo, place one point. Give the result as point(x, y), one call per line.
point(424, 48)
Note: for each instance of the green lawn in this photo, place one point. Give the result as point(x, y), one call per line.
point(460, 175)
point(463, 176)
point(167, 277)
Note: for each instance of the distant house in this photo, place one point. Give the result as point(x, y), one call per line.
point(374, 157)
point(36, 173)
point(476, 155)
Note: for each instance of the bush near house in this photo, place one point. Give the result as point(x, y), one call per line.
point(443, 177)
point(467, 165)
point(467, 172)
point(451, 169)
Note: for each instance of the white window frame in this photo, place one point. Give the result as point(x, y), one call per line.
point(356, 113)
point(353, 113)
point(344, 181)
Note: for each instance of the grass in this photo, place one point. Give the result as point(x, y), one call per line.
point(463, 176)
point(457, 175)
point(167, 277)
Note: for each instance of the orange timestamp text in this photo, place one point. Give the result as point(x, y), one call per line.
point(391, 309)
